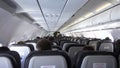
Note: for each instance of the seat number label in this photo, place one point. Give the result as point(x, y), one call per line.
point(99, 65)
point(48, 66)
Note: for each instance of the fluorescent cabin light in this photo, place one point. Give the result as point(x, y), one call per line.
point(36, 18)
point(118, 0)
point(27, 11)
point(77, 21)
point(74, 23)
point(80, 19)
point(88, 15)
point(103, 7)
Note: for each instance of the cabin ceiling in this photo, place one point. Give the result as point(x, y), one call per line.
point(88, 10)
point(50, 14)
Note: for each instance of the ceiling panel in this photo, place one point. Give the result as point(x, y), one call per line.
point(31, 7)
point(91, 6)
point(71, 7)
point(52, 10)
point(36, 15)
point(53, 13)
point(28, 5)
point(43, 25)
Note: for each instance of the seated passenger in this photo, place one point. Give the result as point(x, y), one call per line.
point(91, 48)
point(44, 44)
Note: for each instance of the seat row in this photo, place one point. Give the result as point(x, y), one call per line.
point(59, 59)
point(36, 57)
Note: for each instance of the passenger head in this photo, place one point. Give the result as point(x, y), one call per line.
point(37, 37)
point(118, 42)
point(51, 38)
point(88, 48)
point(55, 34)
point(107, 39)
point(44, 44)
point(21, 42)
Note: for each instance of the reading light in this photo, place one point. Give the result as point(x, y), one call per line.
point(88, 15)
point(103, 7)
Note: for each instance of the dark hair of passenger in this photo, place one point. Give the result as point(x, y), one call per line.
point(4, 49)
point(88, 48)
point(51, 38)
point(107, 38)
point(44, 44)
point(118, 42)
point(21, 42)
point(37, 37)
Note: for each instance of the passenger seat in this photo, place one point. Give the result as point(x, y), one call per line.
point(23, 51)
point(48, 59)
point(106, 46)
point(92, 59)
point(9, 59)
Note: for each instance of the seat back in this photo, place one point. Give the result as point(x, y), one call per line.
point(117, 46)
point(32, 43)
point(5, 62)
point(61, 43)
point(9, 59)
point(66, 45)
point(119, 60)
point(56, 48)
point(106, 46)
point(94, 43)
point(96, 60)
point(47, 59)
point(22, 50)
point(73, 50)
point(30, 46)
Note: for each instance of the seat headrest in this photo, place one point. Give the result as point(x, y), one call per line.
point(22, 50)
point(56, 48)
point(84, 55)
point(5, 62)
point(31, 47)
point(48, 54)
point(73, 45)
point(13, 57)
point(106, 46)
point(4, 49)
